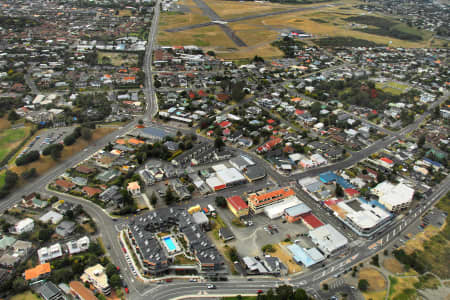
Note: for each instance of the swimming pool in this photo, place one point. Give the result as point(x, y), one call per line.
point(170, 244)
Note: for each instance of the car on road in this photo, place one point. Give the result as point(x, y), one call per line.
point(193, 280)
point(169, 280)
point(211, 286)
point(259, 291)
point(126, 290)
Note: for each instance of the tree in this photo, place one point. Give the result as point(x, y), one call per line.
point(115, 281)
point(27, 158)
point(48, 150)
point(111, 269)
point(169, 197)
point(211, 53)
point(153, 199)
point(13, 116)
point(339, 191)
point(27, 174)
point(219, 143)
point(221, 202)
point(375, 260)
point(45, 235)
point(157, 84)
point(421, 141)
point(300, 294)
point(55, 154)
point(237, 91)
point(315, 108)
point(86, 133)
point(363, 285)
point(70, 140)
point(11, 179)
point(19, 285)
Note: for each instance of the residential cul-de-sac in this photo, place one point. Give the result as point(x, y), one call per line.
point(187, 149)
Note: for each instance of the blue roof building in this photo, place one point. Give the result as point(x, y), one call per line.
point(307, 257)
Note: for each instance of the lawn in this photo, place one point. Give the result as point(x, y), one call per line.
point(402, 287)
point(11, 138)
point(376, 280)
point(234, 9)
point(183, 260)
point(211, 36)
point(393, 265)
point(117, 59)
point(2, 178)
point(392, 87)
point(46, 162)
point(28, 295)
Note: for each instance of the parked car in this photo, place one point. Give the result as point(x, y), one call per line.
point(211, 286)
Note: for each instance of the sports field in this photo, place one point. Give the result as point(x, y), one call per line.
point(10, 139)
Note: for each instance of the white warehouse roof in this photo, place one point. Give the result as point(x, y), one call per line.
point(327, 238)
point(230, 175)
point(276, 210)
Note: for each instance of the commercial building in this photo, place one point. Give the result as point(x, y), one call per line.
point(254, 173)
point(363, 217)
point(25, 225)
point(295, 213)
point(96, 276)
point(263, 198)
point(327, 239)
point(395, 197)
point(237, 206)
point(224, 178)
point(153, 133)
point(307, 257)
point(277, 210)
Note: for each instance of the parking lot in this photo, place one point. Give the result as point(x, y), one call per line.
point(47, 137)
point(264, 231)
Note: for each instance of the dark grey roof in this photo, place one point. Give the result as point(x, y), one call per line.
point(49, 290)
point(255, 172)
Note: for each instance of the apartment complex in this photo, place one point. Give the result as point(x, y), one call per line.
point(96, 276)
point(261, 199)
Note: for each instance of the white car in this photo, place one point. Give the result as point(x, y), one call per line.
point(211, 286)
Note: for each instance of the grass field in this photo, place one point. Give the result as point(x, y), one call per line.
point(374, 277)
point(4, 123)
point(28, 295)
point(10, 139)
point(416, 243)
point(46, 162)
point(402, 288)
point(393, 265)
point(208, 37)
point(392, 87)
point(234, 9)
point(118, 59)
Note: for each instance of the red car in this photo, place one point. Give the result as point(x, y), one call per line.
point(124, 250)
point(259, 291)
point(126, 290)
point(118, 268)
point(168, 280)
